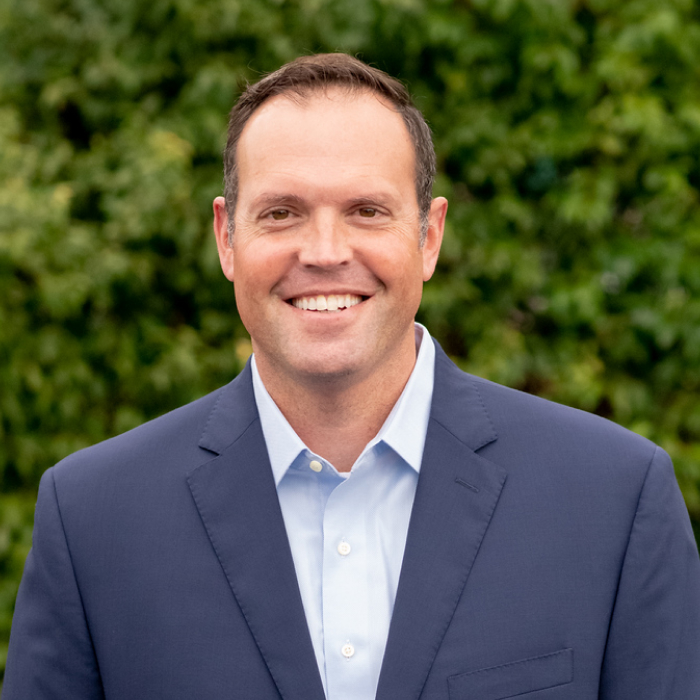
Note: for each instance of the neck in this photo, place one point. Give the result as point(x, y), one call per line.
point(337, 418)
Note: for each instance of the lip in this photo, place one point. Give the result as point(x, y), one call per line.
point(323, 316)
point(327, 304)
point(314, 292)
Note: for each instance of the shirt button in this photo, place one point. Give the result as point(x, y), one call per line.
point(315, 465)
point(348, 650)
point(344, 548)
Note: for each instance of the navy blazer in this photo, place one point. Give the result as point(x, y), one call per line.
point(549, 555)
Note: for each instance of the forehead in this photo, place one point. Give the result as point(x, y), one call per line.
point(329, 103)
point(336, 136)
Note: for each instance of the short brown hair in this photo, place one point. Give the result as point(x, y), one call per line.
point(310, 73)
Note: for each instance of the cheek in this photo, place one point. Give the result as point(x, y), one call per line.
point(248, 287)
point(404, 269)
point(411, 281)
point(395, 256)
point(255, 266)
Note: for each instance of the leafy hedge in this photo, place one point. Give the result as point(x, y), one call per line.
point(567, 132)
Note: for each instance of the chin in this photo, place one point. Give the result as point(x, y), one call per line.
point(326, 372)
point(327, 367)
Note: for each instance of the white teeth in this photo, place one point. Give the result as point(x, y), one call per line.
point(330, 302)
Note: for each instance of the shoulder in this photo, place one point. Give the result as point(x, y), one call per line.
point(526, 416)
point(521, 417)
point(542, 442)
point(568, 473)
point(167, 444)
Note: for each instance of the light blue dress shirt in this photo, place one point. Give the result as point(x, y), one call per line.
point(347, 531)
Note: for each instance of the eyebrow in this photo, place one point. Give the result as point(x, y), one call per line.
point(381, 198)
point(271, 199)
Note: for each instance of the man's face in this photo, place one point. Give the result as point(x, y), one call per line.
point(327, 216)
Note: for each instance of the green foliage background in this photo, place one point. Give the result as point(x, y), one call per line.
point(567, 133)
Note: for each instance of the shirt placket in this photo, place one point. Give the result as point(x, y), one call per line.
point(346, 595)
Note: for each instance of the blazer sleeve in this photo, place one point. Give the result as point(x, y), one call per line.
point(653, 648)
point(51, 653)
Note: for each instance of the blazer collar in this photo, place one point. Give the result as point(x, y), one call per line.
point(455, 500)
point(233, 412)
point(456, 404)
point(456, 497)
point(237, 501)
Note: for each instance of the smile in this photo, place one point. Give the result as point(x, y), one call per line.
point(329, 302)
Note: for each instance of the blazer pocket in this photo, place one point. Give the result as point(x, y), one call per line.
point(516, 678)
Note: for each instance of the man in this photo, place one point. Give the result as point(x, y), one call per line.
point(353, 516)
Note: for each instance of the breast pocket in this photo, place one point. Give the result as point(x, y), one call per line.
point(516, 678)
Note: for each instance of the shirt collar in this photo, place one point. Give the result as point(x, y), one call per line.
point(403, 431)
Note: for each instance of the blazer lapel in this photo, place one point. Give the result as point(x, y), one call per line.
point(455, 500)
point(237, 501)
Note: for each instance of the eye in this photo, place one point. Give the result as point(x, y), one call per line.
point(367, 212)
point(279, 214)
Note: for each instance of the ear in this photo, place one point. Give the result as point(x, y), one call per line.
point(222, 238)
point(433, 238)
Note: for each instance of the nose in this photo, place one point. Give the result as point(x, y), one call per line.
point(325, 242)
